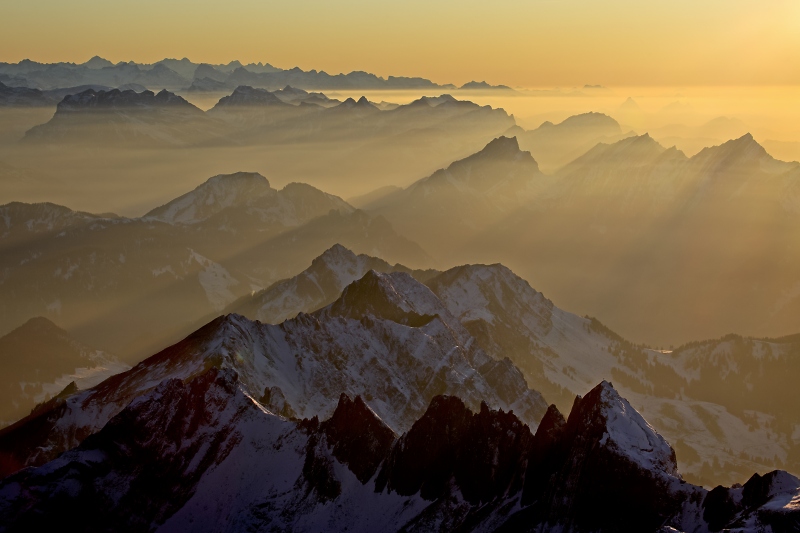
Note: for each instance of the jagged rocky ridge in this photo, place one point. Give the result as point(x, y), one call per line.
point(178, 74)
point(253, 116)
point(203, 455)
point(124, 118)
point(716, 401)
point(317, 286)
point(635, 211)
point(387, 338)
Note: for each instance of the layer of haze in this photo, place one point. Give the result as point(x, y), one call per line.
point(522, 43)
point(678, 116)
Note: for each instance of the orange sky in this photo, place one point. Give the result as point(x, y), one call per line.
point(525, 43)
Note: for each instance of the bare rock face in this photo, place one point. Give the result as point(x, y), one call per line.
point(388, 339)
point(201, 454)
point(358, 437)
point(617, 471)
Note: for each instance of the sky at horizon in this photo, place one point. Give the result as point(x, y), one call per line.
point(531, 43)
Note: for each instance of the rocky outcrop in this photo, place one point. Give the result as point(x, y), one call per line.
point(203, 455)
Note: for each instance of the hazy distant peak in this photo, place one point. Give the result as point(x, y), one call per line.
point(740, 153)
point(482, 85)
point(335, 252)
point(640, 140)
point(238, 178)
point(499, 163)
point(362, 103)
point(204, 70)
point(643, 143)
point(745, 144)
point(289, 90)
point(631, 150)
point(630, 103)
point(434, 101)
point(217, 193)
point(39, 325)
point(590, 119)
point(116, 99)
point(97, 63)
point(501, 147)
point(245, 95)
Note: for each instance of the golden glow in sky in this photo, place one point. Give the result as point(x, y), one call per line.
point(526, 43)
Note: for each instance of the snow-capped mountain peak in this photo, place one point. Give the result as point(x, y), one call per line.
point(624, 429)
point(217, 193)
point(317, 286)
point(397, 297)
point(388, 338)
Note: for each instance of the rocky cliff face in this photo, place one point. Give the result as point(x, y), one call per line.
point(388, 339)
point(202, 455)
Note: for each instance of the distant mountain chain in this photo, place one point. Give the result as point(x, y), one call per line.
point(250, 116)
point(130, 285)
point(181, 74)
point(82, 271)
point(574, 232)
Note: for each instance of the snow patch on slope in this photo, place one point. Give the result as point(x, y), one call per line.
point(632, 436)
point(216, 281)
point(216, 194)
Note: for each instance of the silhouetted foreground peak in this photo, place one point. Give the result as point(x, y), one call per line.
point(203, 455)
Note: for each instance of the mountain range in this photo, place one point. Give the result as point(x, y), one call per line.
point(179, 74)
point(394, 343)
point(217, 460)
point(555, 145)
point(699, 221)
point(387, 338)
point(129, 285)
point(253, 116)
point(496, 192)
point(725, 424)
point(729, 418)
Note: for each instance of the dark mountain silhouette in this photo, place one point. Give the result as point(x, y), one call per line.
point(159, 464)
